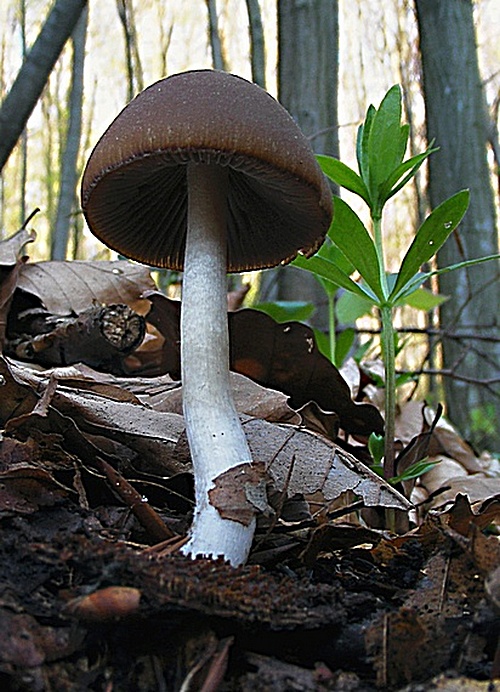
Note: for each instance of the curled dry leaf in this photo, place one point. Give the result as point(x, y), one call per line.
point(474, 486)
point(412, 420)
point(12, 249)
point(11, 261)
point(239, 492)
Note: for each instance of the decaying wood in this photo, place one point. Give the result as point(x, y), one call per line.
point(99, 337)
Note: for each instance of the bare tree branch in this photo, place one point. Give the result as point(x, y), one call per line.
point(32, 77)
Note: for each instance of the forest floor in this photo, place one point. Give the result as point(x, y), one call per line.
point(96, 496)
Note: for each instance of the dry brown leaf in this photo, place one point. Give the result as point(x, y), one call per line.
point(239, 492)
point(447, 441)
point(24, 489)
point(12, 248)
point(11, 262)
point(152, 435)
point(250, 398)
point(453, 479)
point(438, 477)
point(71, 287)
point(300, 462)
point(165, 395)
point(409, 420)
point(476, 487)
point(352, 375)
point(424, 635)
point(297, 461)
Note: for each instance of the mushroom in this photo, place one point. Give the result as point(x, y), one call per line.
point(206, 172)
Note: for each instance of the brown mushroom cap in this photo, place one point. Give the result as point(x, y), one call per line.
point(134, 189)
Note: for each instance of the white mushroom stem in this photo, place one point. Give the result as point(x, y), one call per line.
point(215, 435)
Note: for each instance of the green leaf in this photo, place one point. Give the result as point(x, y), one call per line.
point(412, 165)
point(430, 237)
point(332, 253)
point(398, 298)
point(386, 139)
point(343, 344)
point(287, 310)
point(423, 299)
point(421, 277)
point(322, 342)
point(350, 307)
point(343, 176)
point(404, 378)
point(349, 234)
point(415, 470)
point(376, 448)
point(362, 145)
point(319, 266)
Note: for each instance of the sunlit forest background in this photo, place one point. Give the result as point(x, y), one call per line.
point(126, 45)
point(378, 48)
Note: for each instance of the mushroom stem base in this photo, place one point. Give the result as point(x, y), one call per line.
point(215, 435)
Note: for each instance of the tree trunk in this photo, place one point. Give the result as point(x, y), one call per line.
point(69, 165)
point(218, 57)
point(257, 44)
point(135, 80)
point(32, 77)
point(457, 120)
point(307, 85)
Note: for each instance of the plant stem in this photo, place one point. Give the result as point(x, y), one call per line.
point(331, 325)
point(379, 246)
point(389, 356)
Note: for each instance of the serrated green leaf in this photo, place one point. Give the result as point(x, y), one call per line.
point(343, 175)
point(430, 237)
point(349, 234)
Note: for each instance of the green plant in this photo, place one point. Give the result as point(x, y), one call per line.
point(381, 147)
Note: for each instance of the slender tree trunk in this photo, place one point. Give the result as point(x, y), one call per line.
point(457, 120)
point(135, 79)
point(307, 85)
point(32, 77)
point(257, 44)
point(218, 58)
point(69, 165)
